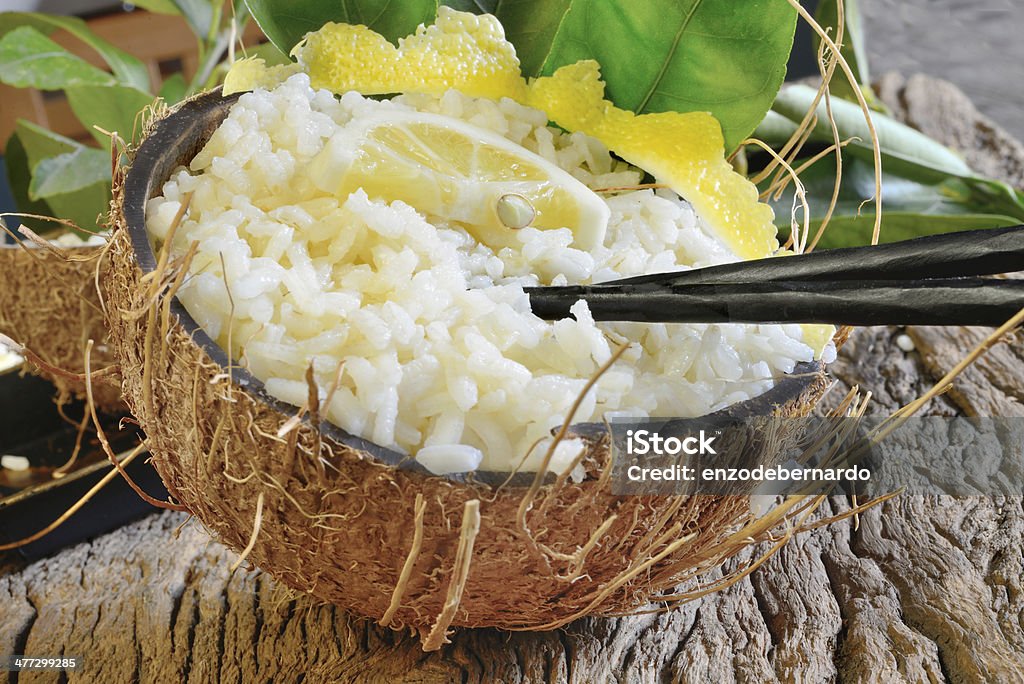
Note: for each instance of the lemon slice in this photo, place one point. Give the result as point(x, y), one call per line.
point(445, 167)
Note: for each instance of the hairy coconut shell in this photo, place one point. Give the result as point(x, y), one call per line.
point(49, 304)
point(355, 524)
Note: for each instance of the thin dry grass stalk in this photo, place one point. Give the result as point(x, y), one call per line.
point(255, 533)
point(410, 562)
point(438, 634)
point(855, 87)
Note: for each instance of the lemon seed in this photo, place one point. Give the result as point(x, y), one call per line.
point(515, 211)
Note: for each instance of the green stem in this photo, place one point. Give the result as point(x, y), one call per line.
point(216, 21)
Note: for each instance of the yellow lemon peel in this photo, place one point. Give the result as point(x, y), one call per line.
point(460, 50)
point(683, 150)
point(469, 53)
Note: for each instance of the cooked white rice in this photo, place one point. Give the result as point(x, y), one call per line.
point(441, 356)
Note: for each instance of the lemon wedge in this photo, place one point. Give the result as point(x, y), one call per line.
point(445, 167)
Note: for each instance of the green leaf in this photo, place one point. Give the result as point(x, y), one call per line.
point(727, 58)
point(996, 195)
point(28, 59)
point(33, 145)
point(19, 175)
point(40, 143)
point(532, 27)
point(69, 172)
point(129, 70)
point(775, 129)
point(285, 22)
point(112, 108)
point(174, 88)
point(854, 231)
point(909, 208)
point(198, 15)
point(905, 151)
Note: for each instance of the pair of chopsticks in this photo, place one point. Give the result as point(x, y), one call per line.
point(925, 281)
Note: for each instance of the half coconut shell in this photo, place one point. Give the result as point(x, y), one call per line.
point(50, 305)
point(360, 526)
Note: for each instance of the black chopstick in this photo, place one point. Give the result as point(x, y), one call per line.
point(950, 301)
point(950, 255)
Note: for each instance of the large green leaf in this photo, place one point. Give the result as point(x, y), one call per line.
point(775, 129)
point(69, 172)
point(727, 58)
point(198, 15)
point(19, 175)
point(28, 59)
point(285, 22)
point(30, 147)
point(112, 108)
point(910, 208)
point(905, 151)
point(532, 27)
point(129, 70)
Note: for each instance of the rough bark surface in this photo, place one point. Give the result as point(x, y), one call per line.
point(917, 590)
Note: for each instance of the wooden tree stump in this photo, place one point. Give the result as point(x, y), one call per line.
point(920, 589)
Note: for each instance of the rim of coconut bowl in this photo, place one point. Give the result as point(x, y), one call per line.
point(176, 138)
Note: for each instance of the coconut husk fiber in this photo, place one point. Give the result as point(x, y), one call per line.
point(50, 305)
point(333, 516)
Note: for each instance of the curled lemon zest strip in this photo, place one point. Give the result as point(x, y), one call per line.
point(460, 50)
point(685, 151)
